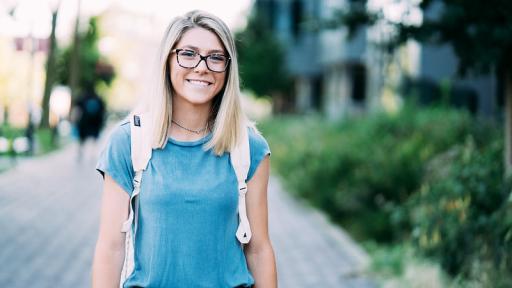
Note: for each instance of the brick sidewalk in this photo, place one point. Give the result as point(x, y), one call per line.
point(310, 251)
point(48, 221)
point(49, 210)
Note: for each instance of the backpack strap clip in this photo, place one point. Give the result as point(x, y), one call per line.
point(240, 160)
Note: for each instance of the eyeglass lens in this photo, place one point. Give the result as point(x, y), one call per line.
point(190, 59)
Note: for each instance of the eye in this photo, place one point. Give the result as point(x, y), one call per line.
point(187, 53)
point(217, 58)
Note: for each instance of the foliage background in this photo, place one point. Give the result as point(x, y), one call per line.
point(430, 177)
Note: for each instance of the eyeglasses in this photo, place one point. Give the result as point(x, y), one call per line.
point(189, 59)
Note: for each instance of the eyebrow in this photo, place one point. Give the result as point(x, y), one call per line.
point(209, 51)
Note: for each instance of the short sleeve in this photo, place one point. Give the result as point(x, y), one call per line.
point(115, 159)
point(259, 149)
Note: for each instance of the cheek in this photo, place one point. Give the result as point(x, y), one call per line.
point(176, 79)
point(174, 74)
point(222, 83)
point(173, 79)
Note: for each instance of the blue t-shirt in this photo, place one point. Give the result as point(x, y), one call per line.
point(188, 212)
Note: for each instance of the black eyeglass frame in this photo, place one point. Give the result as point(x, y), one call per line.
point(201, 58)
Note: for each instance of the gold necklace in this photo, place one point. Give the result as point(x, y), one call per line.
point(190, 130)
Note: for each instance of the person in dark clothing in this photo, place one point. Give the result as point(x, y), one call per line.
point(89, 117)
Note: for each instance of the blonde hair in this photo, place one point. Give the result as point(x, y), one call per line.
point(226, 118)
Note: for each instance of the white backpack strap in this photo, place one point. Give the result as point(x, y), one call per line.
point(140, 141)
point(130, 228)
point(241, 161)
point(140, 154)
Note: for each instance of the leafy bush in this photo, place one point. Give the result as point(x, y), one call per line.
point(45, 140)
point(361, 171)
point(433, 177)
point(462, 215)
point(11, 132)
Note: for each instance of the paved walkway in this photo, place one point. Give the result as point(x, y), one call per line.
point(49, 210)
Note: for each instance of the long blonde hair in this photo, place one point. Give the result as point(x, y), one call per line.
point(226, 118)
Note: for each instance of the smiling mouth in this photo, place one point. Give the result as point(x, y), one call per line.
point(199, 82)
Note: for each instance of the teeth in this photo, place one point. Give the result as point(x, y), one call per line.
point(197, 82)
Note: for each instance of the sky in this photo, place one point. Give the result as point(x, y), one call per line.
point(35, 15)
point(230, 11)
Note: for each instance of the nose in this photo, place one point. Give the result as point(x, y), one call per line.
point(201, 66)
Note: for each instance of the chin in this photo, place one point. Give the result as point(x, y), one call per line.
point(195, 97)
point(201, 100)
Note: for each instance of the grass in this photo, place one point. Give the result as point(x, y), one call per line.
point(398, 265)
point(45, 141)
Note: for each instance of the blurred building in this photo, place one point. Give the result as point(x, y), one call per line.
point(341, 75)
point(345, 72)
point(22, 75)
point(328, 69)
point(436, 77)
point(301, 46)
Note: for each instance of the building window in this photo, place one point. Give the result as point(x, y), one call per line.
point(358, 73)
point(297, 10)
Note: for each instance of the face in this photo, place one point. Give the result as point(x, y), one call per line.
point(199, 85)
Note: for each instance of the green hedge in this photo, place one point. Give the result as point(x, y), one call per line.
point(432, 177)
point(361, 171)
point(462, 214)
point(45, 139)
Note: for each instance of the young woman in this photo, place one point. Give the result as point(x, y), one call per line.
point(188, 202)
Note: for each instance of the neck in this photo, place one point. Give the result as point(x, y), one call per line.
point(193, 117)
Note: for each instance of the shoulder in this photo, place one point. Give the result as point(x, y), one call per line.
point(259, 148)
point(115, 159)
point(120, 134)
point(257, 144)
point(256, 140)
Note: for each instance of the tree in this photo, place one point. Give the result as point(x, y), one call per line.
point(93, 69)
point(479, 32)
point(262, 60)
point(50, 74)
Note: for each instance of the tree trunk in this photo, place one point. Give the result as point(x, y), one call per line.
point(508, 121)
point(50, 75)
point(74, 69)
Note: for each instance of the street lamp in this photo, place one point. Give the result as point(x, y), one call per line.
point(24, 16)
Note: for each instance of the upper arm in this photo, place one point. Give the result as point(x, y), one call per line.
point(257, 207)
point(115, 159)
point(114, 211)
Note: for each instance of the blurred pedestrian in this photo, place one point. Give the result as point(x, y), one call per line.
point(187, 211)
point(88, 114)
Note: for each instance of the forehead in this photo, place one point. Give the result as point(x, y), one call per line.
point(200, 38)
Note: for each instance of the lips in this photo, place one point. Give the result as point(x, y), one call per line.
point(197, 82)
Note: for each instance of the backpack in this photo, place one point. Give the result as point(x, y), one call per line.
point(141, 151)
